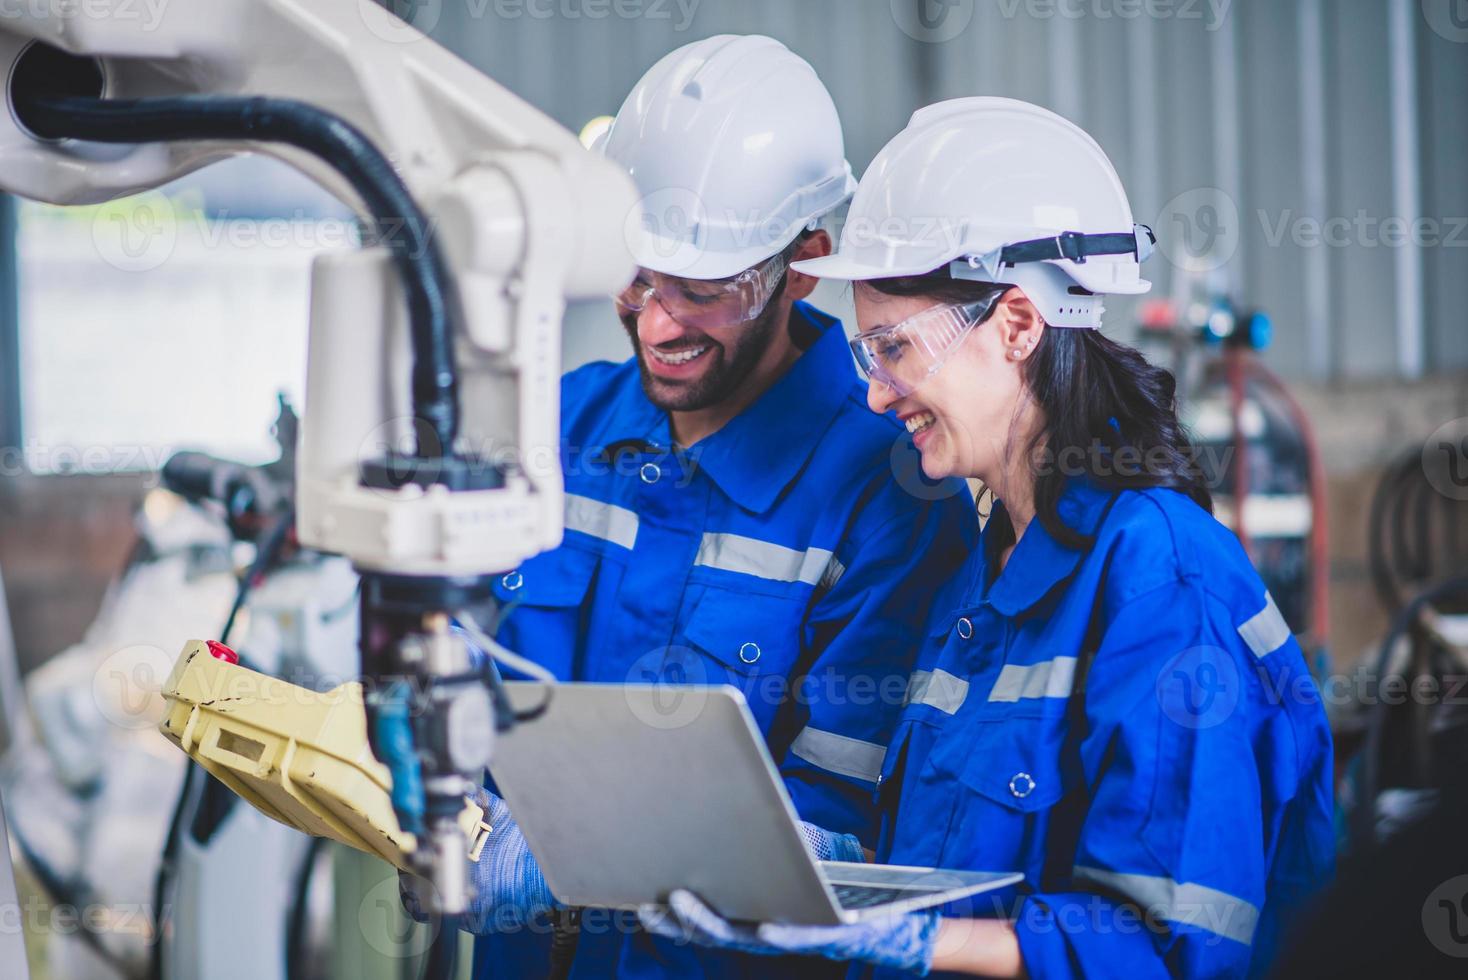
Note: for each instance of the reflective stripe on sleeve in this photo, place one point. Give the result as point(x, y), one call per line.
point(1190, 904)
point(600, 520)
point(938, 689)
point(750, 556)
point(1267, 631)
point(1047, 679)
point(839, 753)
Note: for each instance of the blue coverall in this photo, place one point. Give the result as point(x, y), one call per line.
point(1197, 786)
point(794, 554)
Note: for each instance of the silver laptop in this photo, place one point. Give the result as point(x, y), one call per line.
point(626, 793)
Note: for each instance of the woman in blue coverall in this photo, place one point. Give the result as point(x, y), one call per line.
point(1109, 700)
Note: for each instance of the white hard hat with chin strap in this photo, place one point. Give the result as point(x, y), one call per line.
point(1000, 191)
point(736, 148)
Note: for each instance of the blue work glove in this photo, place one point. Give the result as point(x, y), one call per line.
point(509, 888)
point(827, 846)
point(902, 941)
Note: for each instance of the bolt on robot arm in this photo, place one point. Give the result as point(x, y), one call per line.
point(430, 446)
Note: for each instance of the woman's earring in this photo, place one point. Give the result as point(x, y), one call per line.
point(1016, 353)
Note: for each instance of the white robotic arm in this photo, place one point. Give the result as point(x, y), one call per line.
point(518, 215)
point(527, 219)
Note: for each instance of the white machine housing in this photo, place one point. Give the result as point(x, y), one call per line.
point(526, 218)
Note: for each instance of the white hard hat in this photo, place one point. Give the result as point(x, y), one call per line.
point(1000, 191)
point(735, 147)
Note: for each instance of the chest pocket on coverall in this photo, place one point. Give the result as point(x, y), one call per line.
point(750, 641)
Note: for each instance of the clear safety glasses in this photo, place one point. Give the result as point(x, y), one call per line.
point(906, 354)
point(703, 303)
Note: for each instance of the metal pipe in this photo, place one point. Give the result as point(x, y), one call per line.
point(1316, 286)
point(1406, 185)
point(9, 326)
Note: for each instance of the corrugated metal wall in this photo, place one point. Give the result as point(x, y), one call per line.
point(1302, 139)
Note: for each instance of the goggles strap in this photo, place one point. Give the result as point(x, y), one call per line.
point(1076, 247)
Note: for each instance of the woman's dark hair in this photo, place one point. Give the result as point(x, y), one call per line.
point(1108, 414)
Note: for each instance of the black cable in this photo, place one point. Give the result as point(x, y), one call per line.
point(298, 917)
point(266, 551)
point(400, 224)
point(443, 955)
point(564, 940)
point(186, 798)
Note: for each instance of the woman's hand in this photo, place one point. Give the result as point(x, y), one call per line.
point(509, 888)
point(979, 947)
point(901, 942)
point(916, 942)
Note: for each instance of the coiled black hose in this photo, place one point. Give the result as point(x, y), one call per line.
point(1363, 826)
point(401, 225)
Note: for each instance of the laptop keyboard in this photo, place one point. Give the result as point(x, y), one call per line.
point(855, 897)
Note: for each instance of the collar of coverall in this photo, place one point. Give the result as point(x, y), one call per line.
point(761, 450)
point(1039, 562)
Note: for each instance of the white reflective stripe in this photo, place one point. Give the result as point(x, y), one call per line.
point(938, 689)
point(606, 521)
point(1267, 631)
point(839, 753)
point(736, 553)
point(1190, 904)
point(1047, 679)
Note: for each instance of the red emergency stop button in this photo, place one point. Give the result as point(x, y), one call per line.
point(221, 652)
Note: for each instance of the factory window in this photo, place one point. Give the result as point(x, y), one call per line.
point(170, 319)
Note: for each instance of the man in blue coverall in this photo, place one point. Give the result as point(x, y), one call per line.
point(732, 509)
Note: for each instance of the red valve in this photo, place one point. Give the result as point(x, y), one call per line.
point(221, 652)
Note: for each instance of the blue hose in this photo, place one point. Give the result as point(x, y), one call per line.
point(393, 731)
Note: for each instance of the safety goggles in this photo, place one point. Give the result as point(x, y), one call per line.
point(703, 303)
point(906, 354)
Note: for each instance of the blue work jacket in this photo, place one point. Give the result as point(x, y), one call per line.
point(793, 554)
point(1170, 820)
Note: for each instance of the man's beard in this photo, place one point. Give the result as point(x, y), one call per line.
point(735, 354)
